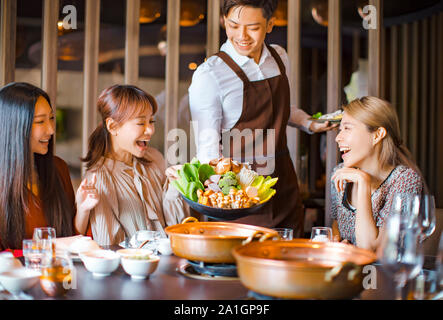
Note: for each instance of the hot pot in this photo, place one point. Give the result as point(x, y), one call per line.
point(301, 269)
point(211, 242)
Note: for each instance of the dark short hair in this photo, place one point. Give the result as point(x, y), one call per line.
point(268, 6)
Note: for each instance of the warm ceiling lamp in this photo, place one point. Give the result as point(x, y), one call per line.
point(319, 12)
point(150, 10)
point(191, 12)
point(281, 14)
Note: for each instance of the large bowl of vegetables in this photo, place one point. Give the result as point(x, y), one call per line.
point(223, 189)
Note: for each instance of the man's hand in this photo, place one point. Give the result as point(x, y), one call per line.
point(318, 127)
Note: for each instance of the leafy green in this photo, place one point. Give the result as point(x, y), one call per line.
point(188, 182)
point(317, 115)
point(196, 163)
point(205, 171)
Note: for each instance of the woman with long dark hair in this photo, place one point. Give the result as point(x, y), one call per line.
point(35, 186)
point(125, 188)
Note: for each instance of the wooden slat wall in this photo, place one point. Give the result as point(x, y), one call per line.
point(416, 69)
point(439, 149)
point(172, 71)
point(333, 93)
point(294, 54)
point(413, 114)
point(7, 40)
point(132, 43)
point(394, 67)
point(213, 32)
point(404, 80)
point(424, 97)
point(432, 104)
point(374, 54)
point(90, 71)
point(50, 52)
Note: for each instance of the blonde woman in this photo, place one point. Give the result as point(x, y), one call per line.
point(375, 165)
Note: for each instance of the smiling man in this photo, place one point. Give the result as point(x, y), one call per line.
point(245, 87)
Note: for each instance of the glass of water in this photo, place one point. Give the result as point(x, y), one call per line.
point(37, 253)
point(45, 233)
point(285, 233)
point(151, 235)
point(321, 234)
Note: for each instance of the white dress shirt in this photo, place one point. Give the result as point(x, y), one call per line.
point(216, 96)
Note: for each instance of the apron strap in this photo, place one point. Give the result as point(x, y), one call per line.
point(277, 59)
point(234, 66)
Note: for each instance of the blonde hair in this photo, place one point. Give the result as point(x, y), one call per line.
point(375, 113)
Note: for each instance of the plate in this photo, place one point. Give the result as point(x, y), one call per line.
point(223, 214)
point(324, 120)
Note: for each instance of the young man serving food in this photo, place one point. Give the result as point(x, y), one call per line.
point(245, 87)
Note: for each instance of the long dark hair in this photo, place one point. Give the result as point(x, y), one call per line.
point(17, 107)
point(121, 103)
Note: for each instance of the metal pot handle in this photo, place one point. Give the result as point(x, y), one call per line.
point(190, 219)
point(334, 272)
point(269, 235)
point(252, 236)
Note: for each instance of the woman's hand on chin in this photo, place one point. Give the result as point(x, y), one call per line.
point(356, 176)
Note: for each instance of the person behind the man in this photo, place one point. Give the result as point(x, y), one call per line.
point(245, 86)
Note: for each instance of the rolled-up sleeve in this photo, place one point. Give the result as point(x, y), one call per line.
point(206, 112)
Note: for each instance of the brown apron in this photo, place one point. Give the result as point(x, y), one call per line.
point(266, 105)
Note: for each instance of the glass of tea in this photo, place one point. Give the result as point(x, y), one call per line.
point(58, 277)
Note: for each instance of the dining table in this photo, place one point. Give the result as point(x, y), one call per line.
point(167, 283)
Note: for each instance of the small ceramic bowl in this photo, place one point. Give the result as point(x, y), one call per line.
point(8, 262)
point(138, 263)
point(100, 262)
point(20, 279)
point(140, 267)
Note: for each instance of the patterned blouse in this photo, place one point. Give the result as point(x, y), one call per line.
point(401, 179)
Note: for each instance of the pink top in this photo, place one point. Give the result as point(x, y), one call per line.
point(401, 179)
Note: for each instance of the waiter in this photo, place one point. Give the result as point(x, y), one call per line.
point(245, 88)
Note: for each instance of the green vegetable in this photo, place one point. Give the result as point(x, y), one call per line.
point(196, 163)
point(228, 181)
point(317, 115)
point(258, 181)
point(205, 171)
point(266, 186)
point(188, 182)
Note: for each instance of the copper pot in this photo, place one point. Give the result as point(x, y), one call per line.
point(211, 242)
point(301, 269)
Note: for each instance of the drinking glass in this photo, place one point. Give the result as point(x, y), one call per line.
point(408, 206)
point(45, 233)
point(401, 251)
point(151, 235)
point(285, 233)
point(321, 234)
point(426, 216)
point(57, 276)
point(37, 253)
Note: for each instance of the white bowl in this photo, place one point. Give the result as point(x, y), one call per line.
point(100, 262)
point(140, 269)
point(20, 279)
point(164, 246)
point(8, 262)
point(134, 252)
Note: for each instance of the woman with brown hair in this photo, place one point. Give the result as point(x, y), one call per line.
point(35, 186)
point(376, 164)
point(125, 188)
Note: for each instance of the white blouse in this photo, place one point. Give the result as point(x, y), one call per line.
point(216, 96)
point(133, 198)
